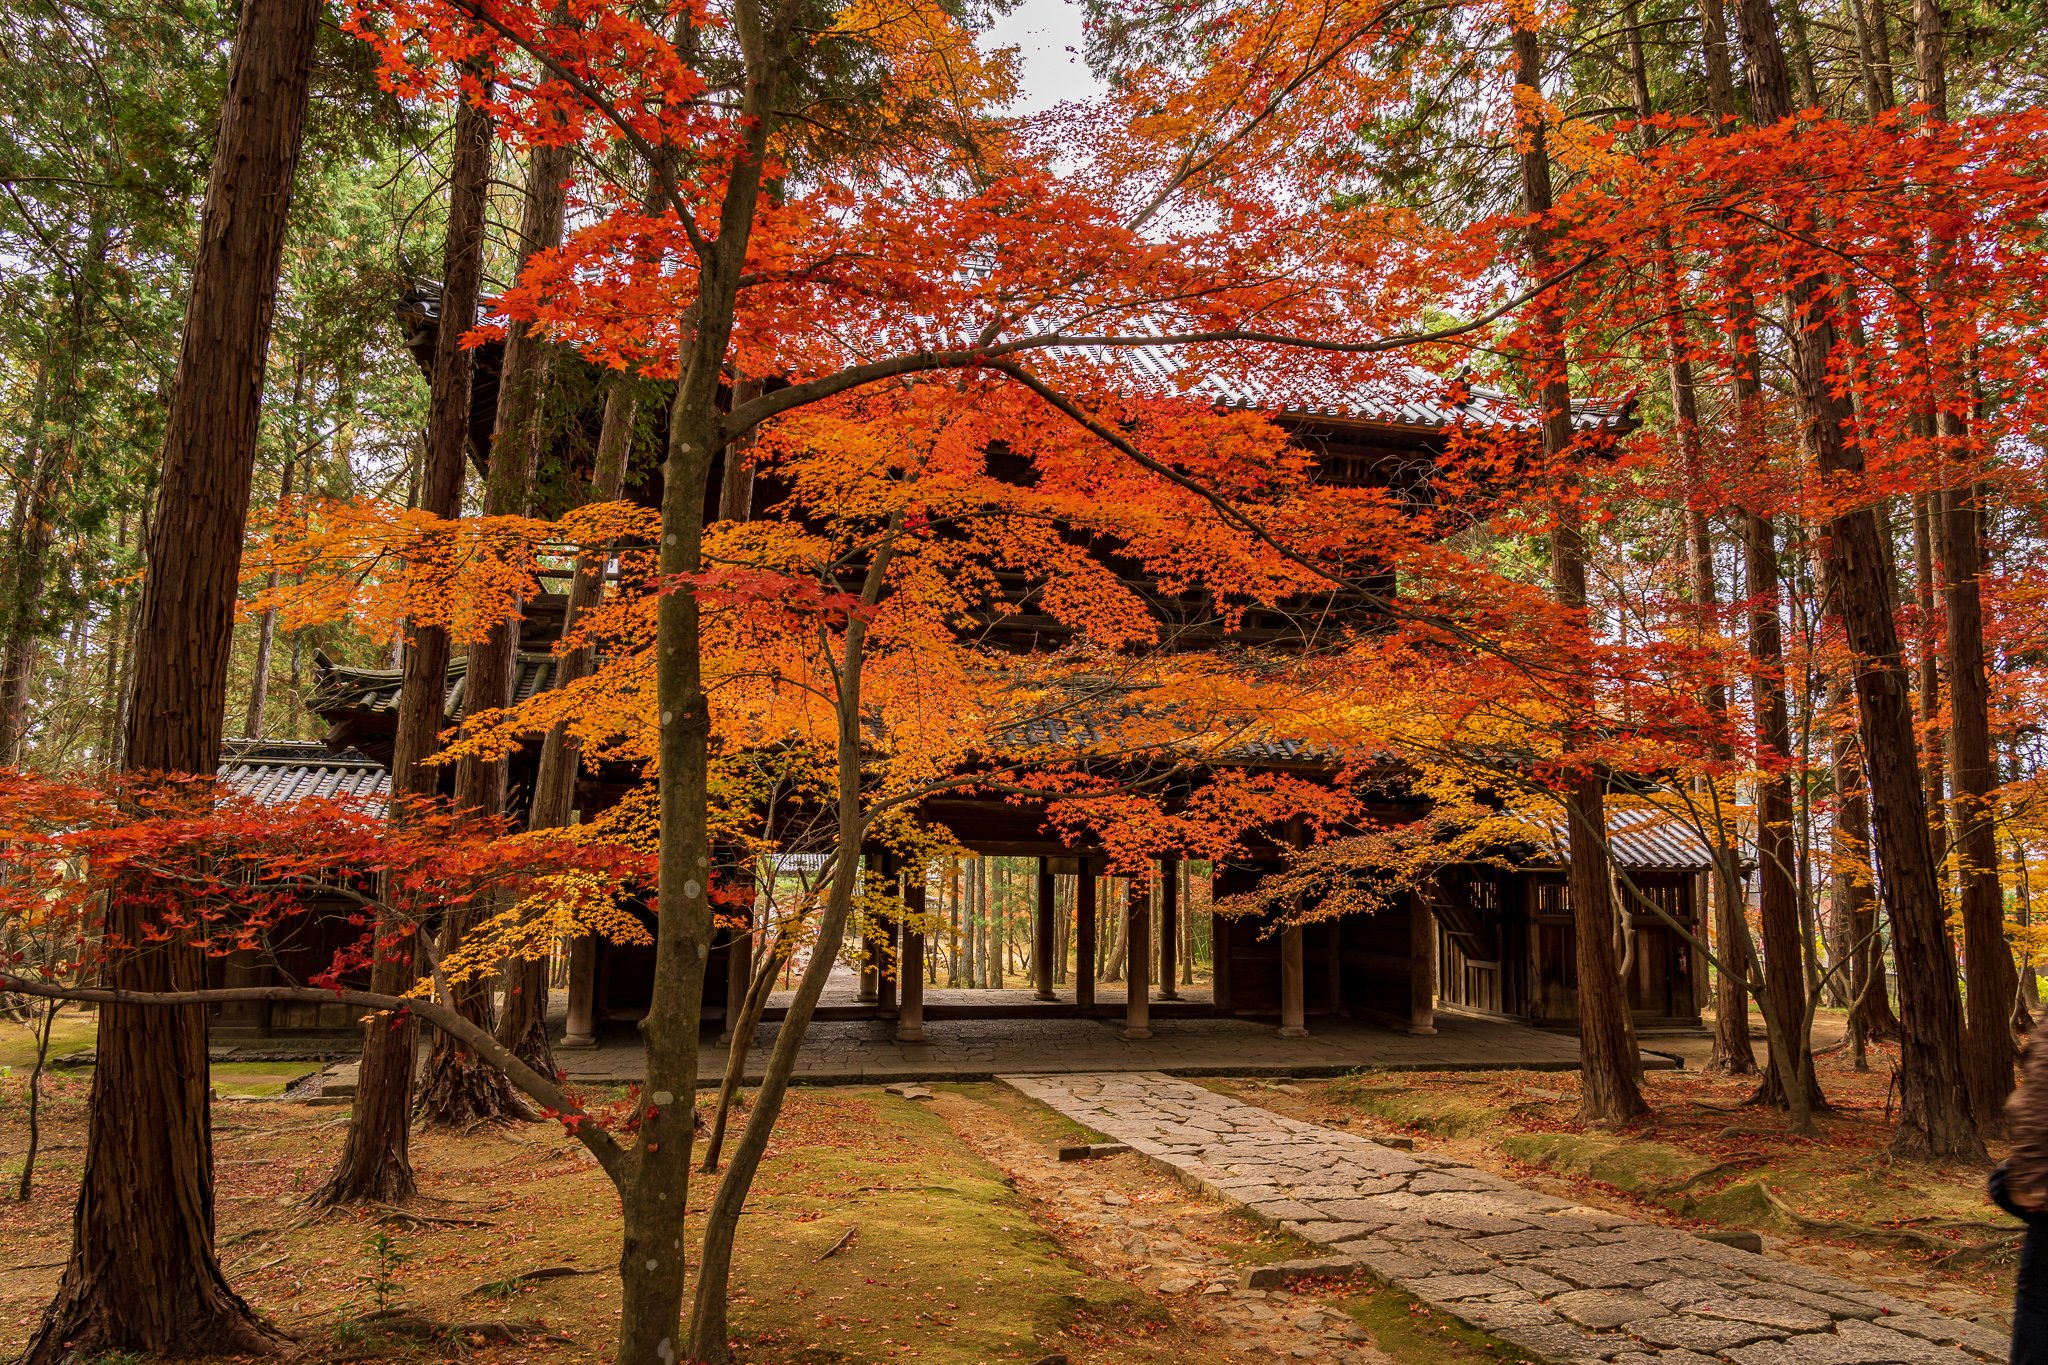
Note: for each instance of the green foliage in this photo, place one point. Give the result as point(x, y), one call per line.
point(387, 1258)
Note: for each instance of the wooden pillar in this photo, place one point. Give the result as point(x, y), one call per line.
point(1169, 928)
point(1138, 960)
point(739, 975)
point(1421, 964)
point(1084, 937)
point(739, 955)
point(1042, 937)
point(1293, 1017)
point(871, 941)
point(1219, 956)
point(910, 1015)
point(1336, 967)
point(582, 1028)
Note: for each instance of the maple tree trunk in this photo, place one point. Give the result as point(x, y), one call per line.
point(1607, 1054)
point(1791, 1056)
point(651, 1262)
point(142, 1275)
point(1935, 1118)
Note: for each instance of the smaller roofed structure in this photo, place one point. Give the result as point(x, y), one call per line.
point(276, 771)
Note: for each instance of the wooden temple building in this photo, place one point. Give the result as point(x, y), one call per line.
point(1495, 940)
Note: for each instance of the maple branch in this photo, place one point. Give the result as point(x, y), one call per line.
point(1796, 235)
point(479, 1040)
point(751, 414)
point(657, 159)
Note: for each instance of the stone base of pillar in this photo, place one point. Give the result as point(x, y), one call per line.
point(1293, 1031)
point(578, 1040)
point(1137, 1033)
point(907, 1034)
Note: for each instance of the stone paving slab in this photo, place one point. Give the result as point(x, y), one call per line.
point(865, 1051)
point(1568, 1283)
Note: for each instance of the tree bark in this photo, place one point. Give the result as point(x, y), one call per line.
point(49, 469)
point(1935, 1118)
point(266, 628)
point(508, 491)
point(1990, 979)
point(1608, 1062)
point(142, 1275)
point(1852, 899)
point(456, 1088)
point(376, 1159)
point(1732, 1054)
point(1789, 1081)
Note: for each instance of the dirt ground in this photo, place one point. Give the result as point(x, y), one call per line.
point(944, 1230)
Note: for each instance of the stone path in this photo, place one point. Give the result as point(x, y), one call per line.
point(1569, 1283)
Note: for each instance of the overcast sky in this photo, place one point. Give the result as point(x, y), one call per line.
point(1047, 34)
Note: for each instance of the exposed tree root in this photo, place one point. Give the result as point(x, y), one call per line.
point(1899, 1236)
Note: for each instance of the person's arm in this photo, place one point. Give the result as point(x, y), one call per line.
point(2026, 1123)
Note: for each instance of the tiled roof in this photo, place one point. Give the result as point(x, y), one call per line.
point(374, 691)
point(1641, 839)
point(1405, 396)
point(1078, 730)
point(277, 771)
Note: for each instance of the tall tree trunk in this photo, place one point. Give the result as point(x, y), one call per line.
point(1789, 1081)
point(1990, 978)
point(457, 1089)
point(508, 491)
point(1928, 522)
point(376, 1157)
point(1935, 1118)
point(50, 468)
point(1608, 1063)
point(1732, 1054)
point(142, 1275)
point(266, 628)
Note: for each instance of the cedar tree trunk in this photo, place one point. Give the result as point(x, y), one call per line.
point(142, 1275)
point(1607, 1052)
point(376, 1159)
point(508, 491)
point(456, 1088)
point(1935, 1118)
point(1789, 1081)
